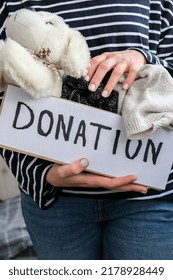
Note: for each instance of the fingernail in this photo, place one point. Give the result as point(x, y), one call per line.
point(92, 87)
point(125, 86)
point(84, 162)
point(105, 93)
point(144, 192)
point(87, 78)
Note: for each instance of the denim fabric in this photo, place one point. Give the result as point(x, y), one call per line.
point(86, 228)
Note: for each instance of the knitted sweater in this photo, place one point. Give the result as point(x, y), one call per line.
point(108, 26)
point(148, 104)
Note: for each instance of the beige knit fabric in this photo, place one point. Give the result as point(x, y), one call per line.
point(148, 104)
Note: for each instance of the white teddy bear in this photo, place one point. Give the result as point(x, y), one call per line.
point(38, 46)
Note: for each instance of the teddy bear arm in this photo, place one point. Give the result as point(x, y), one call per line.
point(3, 81)
point(76, 60)
point(29, 73)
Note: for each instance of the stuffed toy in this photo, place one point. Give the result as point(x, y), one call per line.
point(39, 47)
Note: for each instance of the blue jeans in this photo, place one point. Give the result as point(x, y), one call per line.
point(91, 229)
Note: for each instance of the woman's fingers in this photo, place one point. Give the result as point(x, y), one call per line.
point(115, 76)
point(121, 63)
point(94, 63)
point(72, 169)
point(58, 173)
point(126, 183)
point(73, 175)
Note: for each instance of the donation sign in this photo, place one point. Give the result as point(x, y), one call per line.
point(63, 131)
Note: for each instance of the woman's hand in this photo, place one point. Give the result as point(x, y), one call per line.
point(124, 62)
point(73, 175)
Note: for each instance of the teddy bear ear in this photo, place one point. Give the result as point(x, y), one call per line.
point(19, 27)
point(77, 58)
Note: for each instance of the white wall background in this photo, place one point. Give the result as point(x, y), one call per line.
point(8, 184)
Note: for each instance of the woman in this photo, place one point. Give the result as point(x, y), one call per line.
point(89, 216)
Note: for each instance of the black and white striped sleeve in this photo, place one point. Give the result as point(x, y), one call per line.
point(30, 173)
point(161, 35)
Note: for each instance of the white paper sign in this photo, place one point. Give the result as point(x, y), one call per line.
point(63, 131)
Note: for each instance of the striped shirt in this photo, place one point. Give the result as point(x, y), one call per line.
point(108, 26)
